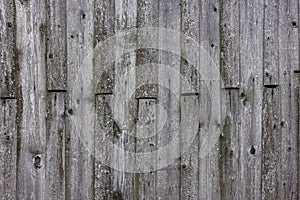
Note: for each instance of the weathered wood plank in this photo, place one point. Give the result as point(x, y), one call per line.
point(209, 154)
point(230, 47)
point(288, 63)
point(146, 141)
point(125, 104)
point(289, 33)
point(168, 111)
point(80, 101)
point(56, 55)
point(103, 131)
point(271, 42)
point(190, 85)
point(250, 97)
point(147, 16)
point(31, 45)
point(229, 161)
point(189, 159)
point(55, 146)
point(8, 149)
point(104, 27)
point(8, 49)
point(271, 138)
point(190, 29)
point(295, 121)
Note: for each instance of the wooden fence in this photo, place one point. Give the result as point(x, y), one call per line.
point(48, 74)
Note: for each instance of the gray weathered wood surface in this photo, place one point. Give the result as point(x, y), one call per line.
point(62, 105)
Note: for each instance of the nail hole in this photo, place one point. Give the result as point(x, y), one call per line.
point(294, 24)
point(252, 150)
point(83, 15)
point(289, 149)
point(9, 24)
point(37, 162)
point(70, 111)
point(215, 9)
point(212, 45)
point(243, 94)
point(72, 36)
point(50, 56)
point(281, 123)
point(183, 166)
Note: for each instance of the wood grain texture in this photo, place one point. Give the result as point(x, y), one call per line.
point(66, 94)
point(55, 146)
point(31, 99)
point(8, 149)
point(229, 161)
point(230, 30)
point(271, 42)
point(56, 55)
point(104, 28)
point(103, 131)
point(8, 49)
point(250, 97)
point(271, 151)
point(190, 87)
point(147, 16)
point(167, 185)
point(210, 42)
point(288, 63)
point(80, 101)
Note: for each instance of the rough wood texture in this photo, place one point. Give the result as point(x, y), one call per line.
point(230, 30)
point(31, 155)
point(8, 149)
point(80, 101)
point(210, 41)
point(271, 151)
point(271, 42)
point(55, 146)
point(8, 49)
point(63, 101)
point(56, 45)
point(250, 97)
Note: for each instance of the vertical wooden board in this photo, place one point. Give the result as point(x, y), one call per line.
point(189, 103)
point(190, 31)
point(289, 33)
point(124, 99)
point(210, 43)
point(250, 97)
point(190, 159)
point(295, 124)
point(103, 131)
point(80, 106)
point(56, 55)
point(8, 49)
point(146, 141)
point(230, 43)
point(288, 141)
point(288, 63)
point(271, 42)
point(271, 138)
point(31, 99)
point(229, 161)
point(104, 28)
point(147, 16)
point(8, 149)
point(168, 126)
point(55, 146)
point(168, 111)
